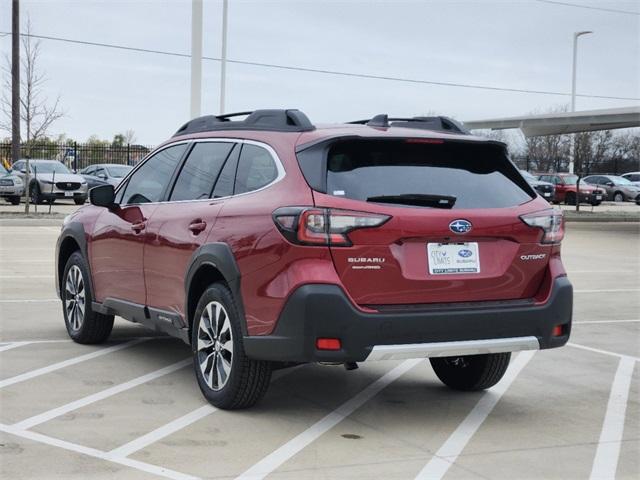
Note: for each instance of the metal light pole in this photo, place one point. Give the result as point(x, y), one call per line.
point(196, 58)
point(223, 56)
point(15, 81)
point(573, 92)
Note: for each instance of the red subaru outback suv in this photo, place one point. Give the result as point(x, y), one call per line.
point(269, 242)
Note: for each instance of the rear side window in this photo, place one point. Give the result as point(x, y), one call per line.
point(149, 182)
point(409, 172)
point(256, 169)
point(200, 171)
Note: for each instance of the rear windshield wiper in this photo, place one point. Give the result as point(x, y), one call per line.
point(418, 199)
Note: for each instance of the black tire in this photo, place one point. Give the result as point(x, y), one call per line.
point(570, 199)
point(80, 201)
point(14, 200)
point(472, 372)
point(247, 380)
point(34, 192)
point(84, 326)
point(618, 197)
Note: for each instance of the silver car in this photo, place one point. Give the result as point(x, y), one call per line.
point(618, 189)
point(11, 186)
point(111, 173)
point(51, 180)
point(633, 177)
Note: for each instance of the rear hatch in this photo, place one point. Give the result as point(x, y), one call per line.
point(454, 232)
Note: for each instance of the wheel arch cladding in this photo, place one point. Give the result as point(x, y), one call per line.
point(212, 263)
point(72, 239)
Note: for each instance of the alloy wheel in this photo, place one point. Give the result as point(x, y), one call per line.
point(75, 297)
point(215, 345)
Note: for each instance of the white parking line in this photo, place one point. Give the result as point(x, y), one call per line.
point(12, 345)
point(56, 412)
point(31, 300)
point(605, 462)
point(162, 432)
point(92, 452)
point(454, 445)
point(272, 461)
point(604, 352)
point(10, 277)
point(177, 424)
point(65, 363)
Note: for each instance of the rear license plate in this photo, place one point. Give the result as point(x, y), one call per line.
point(452, 258)
point(68, 194)
point(547, 194)
point(598, 197)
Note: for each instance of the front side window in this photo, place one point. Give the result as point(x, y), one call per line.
point(200, 171)
point(150, 181)
point(256, 169)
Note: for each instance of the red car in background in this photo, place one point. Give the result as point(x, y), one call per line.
point(566, 189)
point(269, 241)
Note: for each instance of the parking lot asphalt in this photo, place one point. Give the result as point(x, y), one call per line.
point(131, 409)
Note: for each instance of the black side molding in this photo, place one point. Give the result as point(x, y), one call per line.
point(219, 256)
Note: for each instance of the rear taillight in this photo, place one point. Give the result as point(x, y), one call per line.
point(323, 226)
point(549, 221)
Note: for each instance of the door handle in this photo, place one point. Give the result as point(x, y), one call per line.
point(138, 227)
point(197, 226)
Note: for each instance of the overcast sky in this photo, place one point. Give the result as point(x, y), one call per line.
point(521, 44)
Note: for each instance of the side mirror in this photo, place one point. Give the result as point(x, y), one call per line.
point(609, 184)
point(23, 170)
point(103, 196)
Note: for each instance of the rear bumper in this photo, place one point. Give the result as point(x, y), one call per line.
point(592, 197)
point(324, 311)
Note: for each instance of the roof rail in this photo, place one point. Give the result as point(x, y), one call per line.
point(441, 124)
point(270, 120)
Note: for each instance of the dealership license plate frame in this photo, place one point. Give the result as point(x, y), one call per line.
point(458, 263)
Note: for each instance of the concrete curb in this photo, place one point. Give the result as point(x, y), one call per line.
point(600, 217)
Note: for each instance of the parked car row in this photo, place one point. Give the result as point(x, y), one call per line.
point(51, 180)
point(11, 186)
point(594, 189)
point(618, 189)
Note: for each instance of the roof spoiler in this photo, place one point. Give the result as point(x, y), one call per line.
point(441, 124)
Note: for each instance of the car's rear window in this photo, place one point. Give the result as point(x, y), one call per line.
point(408, 171)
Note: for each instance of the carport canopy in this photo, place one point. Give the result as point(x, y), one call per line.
point(566, 122)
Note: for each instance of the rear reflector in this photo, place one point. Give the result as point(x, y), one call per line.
point(328, 344)
point(557, 331)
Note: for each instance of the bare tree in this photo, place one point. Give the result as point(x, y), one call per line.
point(129, 137)
point(37, 111)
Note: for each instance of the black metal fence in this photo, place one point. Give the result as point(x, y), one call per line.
point(606, 166)
point(77, 156)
